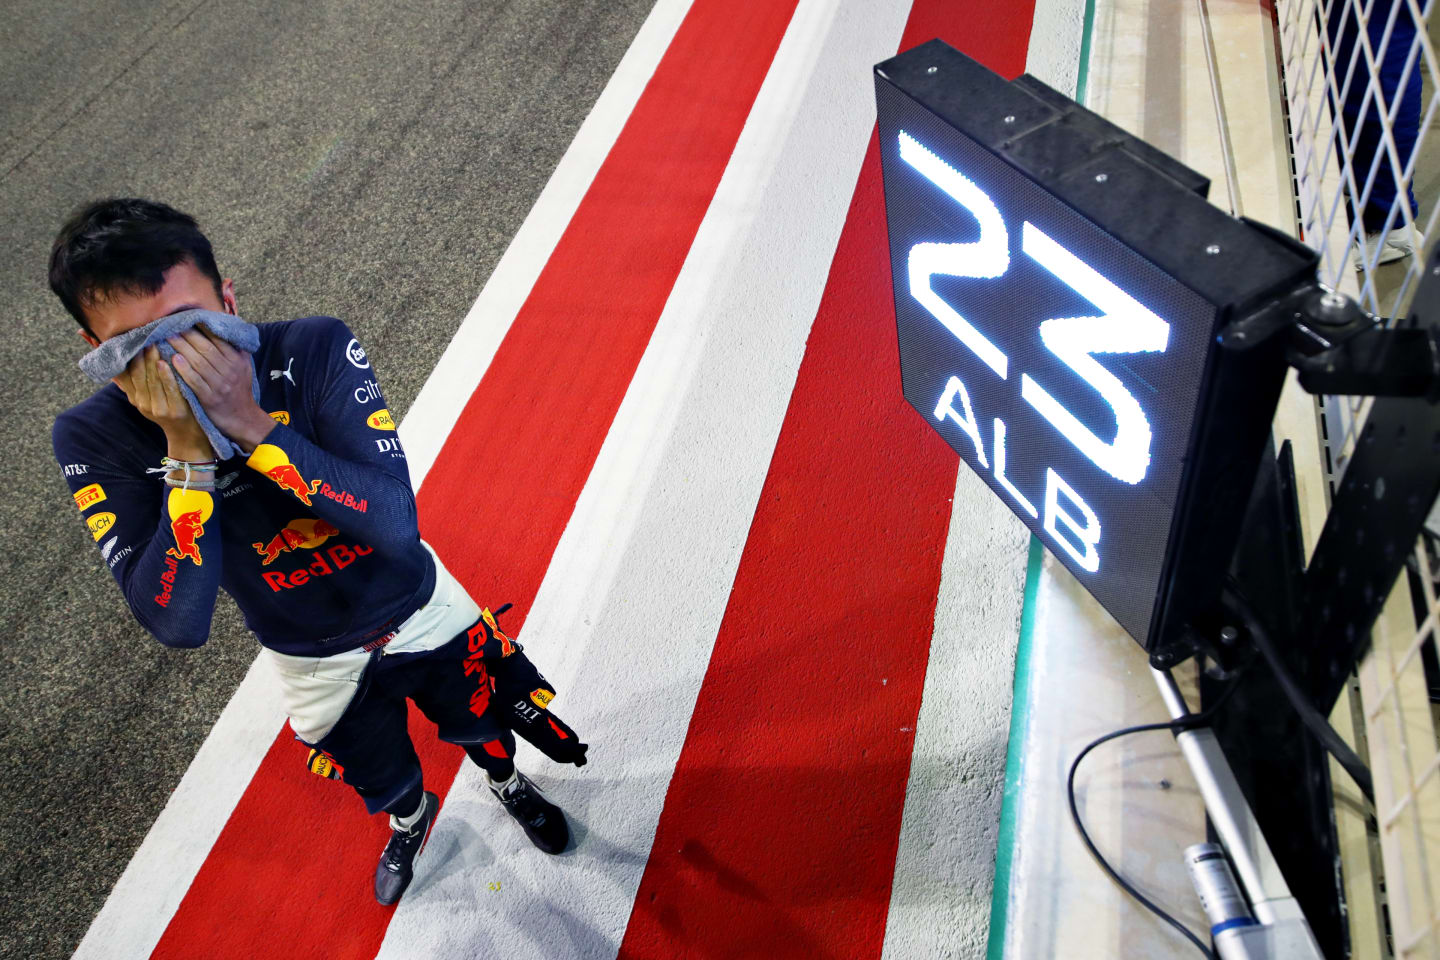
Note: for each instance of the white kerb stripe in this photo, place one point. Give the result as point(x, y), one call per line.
point(145, 897)
point(627, 615)
point(945, 863)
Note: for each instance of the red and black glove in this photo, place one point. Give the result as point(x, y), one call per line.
point(523, 695)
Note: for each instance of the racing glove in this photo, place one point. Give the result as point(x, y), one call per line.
point(523, 695)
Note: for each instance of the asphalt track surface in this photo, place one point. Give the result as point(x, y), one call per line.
point(366, 161)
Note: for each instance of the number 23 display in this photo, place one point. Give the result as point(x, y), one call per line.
point(1052, 352)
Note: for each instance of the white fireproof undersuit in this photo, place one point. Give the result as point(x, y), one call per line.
point(316, 690)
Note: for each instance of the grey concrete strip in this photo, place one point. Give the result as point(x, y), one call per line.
point(366, 161)
point(945, 864)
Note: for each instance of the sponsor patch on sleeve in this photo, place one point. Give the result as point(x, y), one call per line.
point(381, 420)
point(542, 697)
point(281, 416)
point(356, 354)
point(189, 509)
point(87, 497)
point(275, 464)
point(99, 523)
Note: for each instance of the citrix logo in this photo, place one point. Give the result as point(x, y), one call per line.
point(368, 392)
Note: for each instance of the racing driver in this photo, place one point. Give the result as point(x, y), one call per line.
point(309, 522)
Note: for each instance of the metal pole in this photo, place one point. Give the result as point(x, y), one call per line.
point(1226, 152)
point(1270, 898)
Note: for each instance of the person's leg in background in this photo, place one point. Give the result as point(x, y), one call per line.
point(1364, 121)
point(1405, 128)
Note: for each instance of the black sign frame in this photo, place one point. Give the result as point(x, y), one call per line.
point(1139, 200)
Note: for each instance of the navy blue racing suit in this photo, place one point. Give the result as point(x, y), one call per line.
point(314, 535)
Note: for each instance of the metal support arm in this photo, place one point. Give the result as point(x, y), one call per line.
point(1341, 350)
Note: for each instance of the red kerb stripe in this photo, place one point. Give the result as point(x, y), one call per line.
point(290, 874)
point(781, 824)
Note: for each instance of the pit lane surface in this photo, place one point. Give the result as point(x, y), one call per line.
point(724, 864)
point(361, 160)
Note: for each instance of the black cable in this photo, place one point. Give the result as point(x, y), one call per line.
point(1184, 723)
point(1311, 717)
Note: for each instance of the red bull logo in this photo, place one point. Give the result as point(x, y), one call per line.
point(275, 464)
point(288, 478)
point(167, 582)
point(342, 497)
point(189, 509)
point(302, 534)
point(481, 634)
point(324, 563)
point(507, 647)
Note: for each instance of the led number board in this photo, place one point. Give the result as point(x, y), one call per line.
point(1058, 291)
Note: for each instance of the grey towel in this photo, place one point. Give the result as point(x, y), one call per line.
point(110, 359)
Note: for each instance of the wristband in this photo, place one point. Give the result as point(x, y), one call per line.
point(169, 465)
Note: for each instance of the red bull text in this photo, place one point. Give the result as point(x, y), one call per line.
point(324, 563)
point(167, 582)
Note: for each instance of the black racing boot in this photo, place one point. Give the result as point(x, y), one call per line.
point(544, 822)
point(397, 863)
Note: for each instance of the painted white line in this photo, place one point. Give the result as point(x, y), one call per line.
point(945, 864)
point(144, 899)
point(464, 362)
point(1055, 37)
point(154, 882)
point(627, 615)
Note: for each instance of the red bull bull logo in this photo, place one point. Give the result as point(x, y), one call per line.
point(288, 478)
point(275, 464)
point(302, 534)
point(189, 509)
point(507, 647)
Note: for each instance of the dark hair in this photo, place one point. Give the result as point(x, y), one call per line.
point(124, 246)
